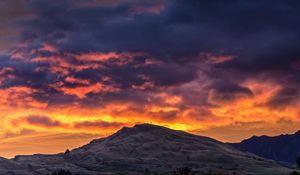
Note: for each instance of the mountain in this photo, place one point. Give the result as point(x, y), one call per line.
point(10, 167)
point(283, 148)
point(145, 149)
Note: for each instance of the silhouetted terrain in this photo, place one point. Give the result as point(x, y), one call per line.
point(145, 149)
point(284, 148)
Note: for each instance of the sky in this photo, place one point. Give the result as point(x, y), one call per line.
point(75, 70)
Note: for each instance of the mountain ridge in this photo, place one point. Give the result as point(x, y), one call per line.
point(284, 147)
point(150, 148)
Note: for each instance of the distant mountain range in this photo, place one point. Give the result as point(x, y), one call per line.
point(145, 150)
point(285, 148)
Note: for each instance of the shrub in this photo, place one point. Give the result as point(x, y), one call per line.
point(298, 161)
point(182, 171)
point(294, 173)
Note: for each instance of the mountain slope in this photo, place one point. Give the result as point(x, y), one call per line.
point(284, 148)
point(145, 149)
point(11, 167)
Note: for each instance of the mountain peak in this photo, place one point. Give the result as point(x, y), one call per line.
point(148, 126)
point(137, 129)
point(141, 128)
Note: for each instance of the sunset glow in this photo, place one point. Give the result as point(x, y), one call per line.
point(70, 76)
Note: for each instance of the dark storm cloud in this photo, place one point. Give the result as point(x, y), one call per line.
point(192, 26)
point(97, 124)
point(283, 97)
point(255, 31)
point(223, 92)
point(44, 121)
point(261, 36)
point(48, 122)
point(11, 12)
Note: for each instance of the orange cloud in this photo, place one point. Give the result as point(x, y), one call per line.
point(77, 80)
point(116, 58)
point(48, 48)
point(61, 64)
point(215, 59)
point(48, 123)
point(170, 99)
point(19, 96)
point(6, 73)
point(81, 91)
